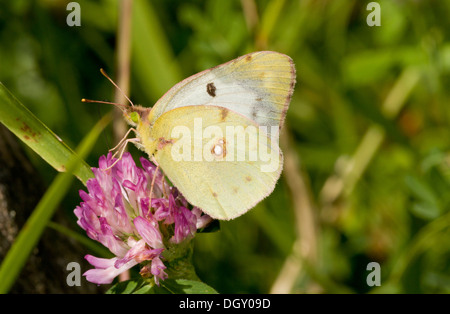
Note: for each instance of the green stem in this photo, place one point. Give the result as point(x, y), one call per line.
point(178, 259)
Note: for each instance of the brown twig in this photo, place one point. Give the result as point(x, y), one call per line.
point(250, 14)
point(123, 76)
point(123, 65)
point(305, 245)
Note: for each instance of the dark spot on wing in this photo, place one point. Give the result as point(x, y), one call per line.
point(248, 58)
point(254, 113)
point(258, 99)
point(248, 178)
point(223, 113)
point(214, 194)
point(211, 89)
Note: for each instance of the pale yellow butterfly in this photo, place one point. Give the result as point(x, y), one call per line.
point(215, 134)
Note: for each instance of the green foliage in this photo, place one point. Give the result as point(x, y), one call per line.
point(369, 121)
point(168, 286)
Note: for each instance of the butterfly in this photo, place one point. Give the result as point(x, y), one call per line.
point(215, 134)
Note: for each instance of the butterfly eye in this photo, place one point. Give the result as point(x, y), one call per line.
point(134, 116)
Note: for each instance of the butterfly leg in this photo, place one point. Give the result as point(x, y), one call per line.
point(123, 146)
point(155, 173)
point(123, 139)
point(165, 193)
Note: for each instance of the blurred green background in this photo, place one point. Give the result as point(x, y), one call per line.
point(367, 133)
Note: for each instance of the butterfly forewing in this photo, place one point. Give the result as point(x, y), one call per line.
point(258, 85)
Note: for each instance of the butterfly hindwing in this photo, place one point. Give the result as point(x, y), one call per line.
point(221, 161)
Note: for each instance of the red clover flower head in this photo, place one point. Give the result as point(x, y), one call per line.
point(137, 228)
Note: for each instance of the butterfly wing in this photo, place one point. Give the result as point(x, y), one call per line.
point(208, 153)
point(258, 85)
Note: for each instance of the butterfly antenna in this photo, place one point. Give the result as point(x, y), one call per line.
point(104, 102)
point(106, 75)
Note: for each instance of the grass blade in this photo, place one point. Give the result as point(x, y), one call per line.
point(19, 120)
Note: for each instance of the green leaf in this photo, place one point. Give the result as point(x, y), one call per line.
point(128, 286)
point(425, 210)
point(168, 286)
point(185, 286)
point(421, 190)
point(19, 120)
point(427, 207)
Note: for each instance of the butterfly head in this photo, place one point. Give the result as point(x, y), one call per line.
point(135, 115)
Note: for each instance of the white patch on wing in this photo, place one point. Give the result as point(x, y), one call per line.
point(229, 94)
